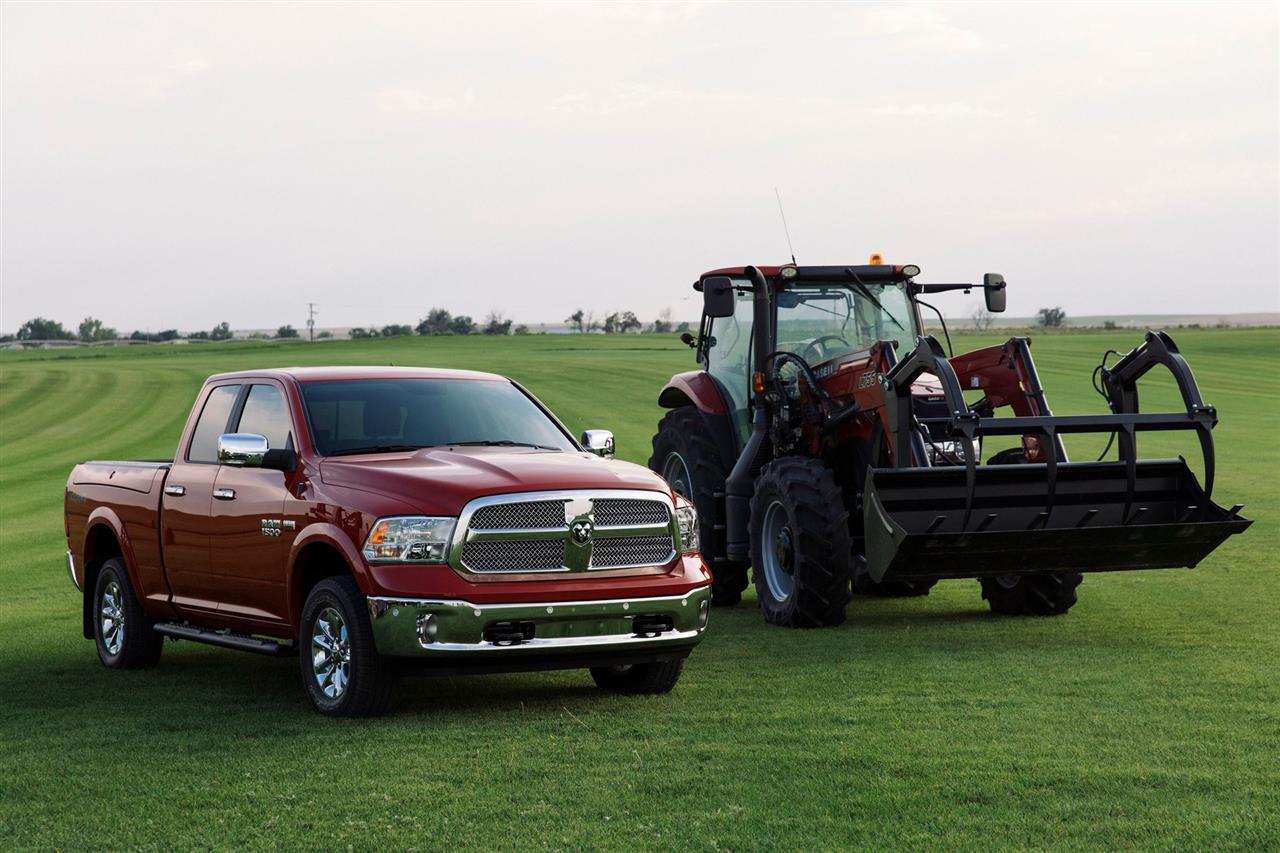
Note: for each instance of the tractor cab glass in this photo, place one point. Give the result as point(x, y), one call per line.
point(822, 322)
point(728, 354)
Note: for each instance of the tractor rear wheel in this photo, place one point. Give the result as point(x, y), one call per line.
point(1029, 595)
point(800, 544)
point(685, 455)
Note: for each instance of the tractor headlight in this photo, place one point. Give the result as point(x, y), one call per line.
point(409, 539)
point(687, 518)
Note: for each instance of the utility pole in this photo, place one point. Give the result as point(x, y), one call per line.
point(311, 321)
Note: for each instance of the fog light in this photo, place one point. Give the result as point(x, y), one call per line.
point(704, 612)
point(427, 628)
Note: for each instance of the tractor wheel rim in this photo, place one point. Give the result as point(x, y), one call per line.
point(331, 653)
point(111, 618)
point(676, 472)
point(777, 547)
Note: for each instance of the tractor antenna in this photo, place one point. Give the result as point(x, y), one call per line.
point(785, 229)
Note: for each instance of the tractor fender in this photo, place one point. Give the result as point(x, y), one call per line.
point(694, 388)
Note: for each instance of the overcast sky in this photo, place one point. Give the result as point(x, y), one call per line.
point(178, 165)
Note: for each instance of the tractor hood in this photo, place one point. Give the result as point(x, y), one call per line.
point(441, 480)
point(928, 386)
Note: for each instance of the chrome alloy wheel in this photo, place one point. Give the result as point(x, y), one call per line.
point(675, 472)
point(330, 653)
point(778, 552)
point(111, 618)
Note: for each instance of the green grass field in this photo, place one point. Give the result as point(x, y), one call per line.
point(1149, 717)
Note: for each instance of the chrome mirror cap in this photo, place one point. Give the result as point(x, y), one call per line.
point(598, 441)
point(242, 449)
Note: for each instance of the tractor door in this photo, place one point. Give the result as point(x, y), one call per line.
point(728, 359)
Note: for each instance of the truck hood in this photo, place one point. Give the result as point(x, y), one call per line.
point(441, 480)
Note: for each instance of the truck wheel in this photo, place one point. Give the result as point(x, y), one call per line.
point(124, 633)
point(657, 677)
point(800, 544)
point(685, 455)
point(341, 669)
point(1031, 595)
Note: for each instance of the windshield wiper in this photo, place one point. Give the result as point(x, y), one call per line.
point(866, 292)
point(378, 448)
point(501, 442)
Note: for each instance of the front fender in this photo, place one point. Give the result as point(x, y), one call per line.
point(335, 537)
point(696, 388)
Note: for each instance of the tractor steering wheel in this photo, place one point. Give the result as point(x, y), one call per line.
point(817, 347)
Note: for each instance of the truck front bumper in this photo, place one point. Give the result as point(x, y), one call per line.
point(455, 629)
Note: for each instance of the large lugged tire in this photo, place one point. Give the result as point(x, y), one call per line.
point(1032, 595)
point(342, 672)
point(800, 544)
point(685, 454)
point(657, 677)
point(124, 634)
point(1029, 595)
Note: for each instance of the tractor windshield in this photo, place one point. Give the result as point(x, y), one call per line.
point(821, 322)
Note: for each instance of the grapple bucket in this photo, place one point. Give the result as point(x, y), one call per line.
point(949, 522)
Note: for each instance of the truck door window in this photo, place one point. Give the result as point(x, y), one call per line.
point(212, 423)
point(266, 413)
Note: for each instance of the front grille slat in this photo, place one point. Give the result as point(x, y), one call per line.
point(507, 549)
point(631, 551)
point(530, 555)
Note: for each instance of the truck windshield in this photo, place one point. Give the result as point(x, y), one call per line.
point(822, 322)
point(382, 415)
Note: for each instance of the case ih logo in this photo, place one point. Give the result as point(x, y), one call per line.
point(581, 532)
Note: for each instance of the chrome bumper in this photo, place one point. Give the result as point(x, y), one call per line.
point(422, 628)
point(71, 569)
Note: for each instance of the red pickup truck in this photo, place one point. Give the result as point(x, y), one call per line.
point(375, 520)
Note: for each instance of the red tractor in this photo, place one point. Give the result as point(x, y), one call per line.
point(828, 443)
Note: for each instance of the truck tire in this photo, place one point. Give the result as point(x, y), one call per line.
point(342, 672)
point(124, 634)
point(800, 544)
point(657, 677)
point(1029, 595)
point(685, 454)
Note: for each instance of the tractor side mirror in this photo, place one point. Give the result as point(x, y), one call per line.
point(717, 296)
point(993, 288)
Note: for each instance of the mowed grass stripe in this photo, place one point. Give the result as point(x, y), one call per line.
point(1146, 718)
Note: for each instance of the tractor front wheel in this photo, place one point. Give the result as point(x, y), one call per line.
point(1032, 595)
point(685, 454)
point(800, 544)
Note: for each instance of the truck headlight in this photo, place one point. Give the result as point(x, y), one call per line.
point(687, 518)
point(409, 539)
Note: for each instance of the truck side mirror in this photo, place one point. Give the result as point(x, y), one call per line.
point(242, 449)
point(598, 441)
point(993, 288)
point(717, 296)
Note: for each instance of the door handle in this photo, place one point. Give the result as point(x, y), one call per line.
point(225, 494)
point(176, 491)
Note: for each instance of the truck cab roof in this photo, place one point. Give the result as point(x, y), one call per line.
point(329, 374)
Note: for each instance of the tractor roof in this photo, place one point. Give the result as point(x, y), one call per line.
point(866, 273)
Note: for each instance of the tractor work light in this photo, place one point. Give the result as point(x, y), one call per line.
point(788, 272)
point(409, 539)
point(911, 270)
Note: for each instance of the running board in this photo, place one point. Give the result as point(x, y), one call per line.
point(242, 642)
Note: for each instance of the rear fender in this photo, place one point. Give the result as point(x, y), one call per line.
point(102, 519)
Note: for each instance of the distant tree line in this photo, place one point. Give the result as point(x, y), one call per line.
point(621, 323)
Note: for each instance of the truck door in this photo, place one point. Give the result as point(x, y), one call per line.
point(188, 494)
point(247, 514)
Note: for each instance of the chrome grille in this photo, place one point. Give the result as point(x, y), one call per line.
point(522, 515)
point(531, 555)
point(631, 551)
point(531, 532)
point(626, 512)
